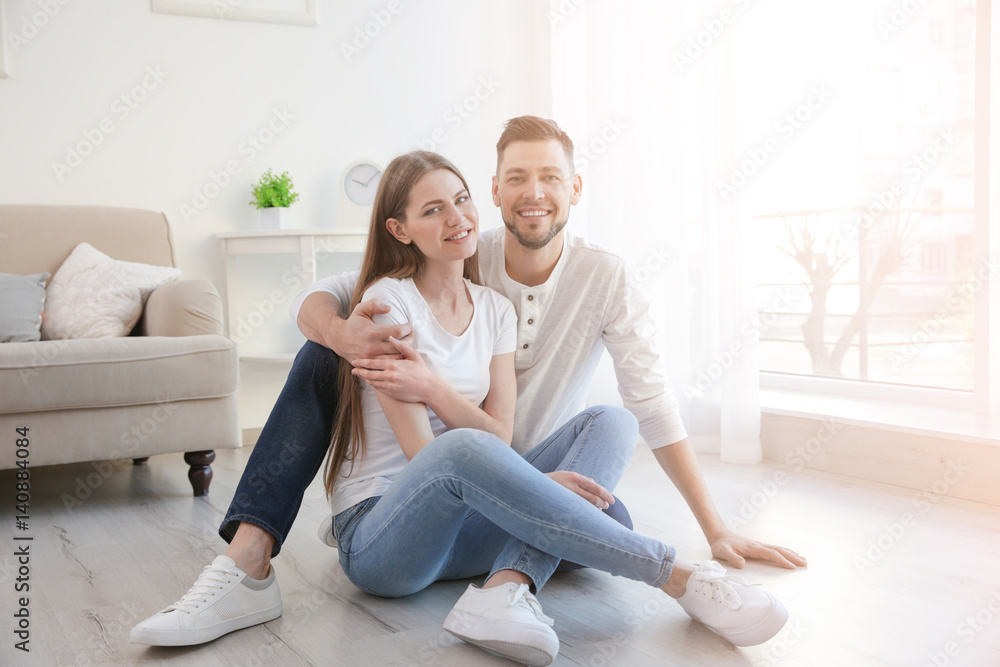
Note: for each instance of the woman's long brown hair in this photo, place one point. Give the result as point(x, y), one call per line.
point(385, 257)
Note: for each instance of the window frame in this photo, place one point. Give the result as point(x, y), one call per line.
point(985, 397)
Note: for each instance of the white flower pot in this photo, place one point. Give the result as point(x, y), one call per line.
point(275, 217)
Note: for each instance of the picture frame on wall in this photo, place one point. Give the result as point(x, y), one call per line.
point(288, 12)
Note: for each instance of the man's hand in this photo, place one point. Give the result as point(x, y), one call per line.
point(358, 337)
point(404, 376)
point(735, 549)
point(586, 488)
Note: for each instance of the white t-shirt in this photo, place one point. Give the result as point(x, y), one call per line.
point(462, 361)
point(587, 304)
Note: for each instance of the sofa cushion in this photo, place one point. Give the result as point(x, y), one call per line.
point(105, 372)
point(94, 296)
point(22, 299)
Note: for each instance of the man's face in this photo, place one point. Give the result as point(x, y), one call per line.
point(534, 190)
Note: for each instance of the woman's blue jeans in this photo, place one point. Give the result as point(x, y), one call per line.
point(294, 441)
point(467, 497)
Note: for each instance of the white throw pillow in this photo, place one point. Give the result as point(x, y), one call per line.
point(94, 296)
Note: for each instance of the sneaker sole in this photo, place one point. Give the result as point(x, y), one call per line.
point(768, 627)
point(160, 637)
point(467, 626)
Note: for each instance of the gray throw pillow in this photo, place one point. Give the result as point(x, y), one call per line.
point(22, 299)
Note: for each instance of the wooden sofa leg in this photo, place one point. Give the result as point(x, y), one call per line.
point(139, 462)
point(200, 473)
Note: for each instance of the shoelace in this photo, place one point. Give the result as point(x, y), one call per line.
point(712, 581)
point(522, 597)
point(211, 578)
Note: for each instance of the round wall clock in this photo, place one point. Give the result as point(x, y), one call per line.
point(358, 186)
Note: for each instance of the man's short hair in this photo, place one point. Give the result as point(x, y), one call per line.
point(533, 128)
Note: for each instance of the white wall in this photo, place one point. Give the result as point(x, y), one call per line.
point(221, 82)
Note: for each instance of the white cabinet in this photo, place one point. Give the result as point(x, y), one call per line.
point(310, 245)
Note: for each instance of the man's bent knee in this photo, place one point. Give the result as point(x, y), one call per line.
point(618, 420)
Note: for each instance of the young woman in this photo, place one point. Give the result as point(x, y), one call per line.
point(419, 496)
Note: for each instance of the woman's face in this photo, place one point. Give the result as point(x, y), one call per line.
point(440, 218)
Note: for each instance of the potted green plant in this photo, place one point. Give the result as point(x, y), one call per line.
point(272, 195)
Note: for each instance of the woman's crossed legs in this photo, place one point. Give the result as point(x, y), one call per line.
point(452, 512)
point(468, 504)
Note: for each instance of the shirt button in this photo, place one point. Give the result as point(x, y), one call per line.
point(531, 321)
point(531, 298)
point(524, 347)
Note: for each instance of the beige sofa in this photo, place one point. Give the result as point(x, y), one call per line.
point(168, 387)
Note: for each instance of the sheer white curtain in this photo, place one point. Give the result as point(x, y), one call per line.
point(653, 136)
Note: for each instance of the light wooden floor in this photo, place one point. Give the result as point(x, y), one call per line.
point(138, 540)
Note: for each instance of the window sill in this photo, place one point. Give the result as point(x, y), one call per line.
point(923, 420)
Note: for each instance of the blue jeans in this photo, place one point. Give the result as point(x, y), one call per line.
point(467, 496)
point(290, 449)
point(293, 444)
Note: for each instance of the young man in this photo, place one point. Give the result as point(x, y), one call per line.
point(572, 299)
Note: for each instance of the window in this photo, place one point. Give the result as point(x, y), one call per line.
point(872, 241)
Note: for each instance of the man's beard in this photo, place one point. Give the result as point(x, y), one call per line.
point(535, 244)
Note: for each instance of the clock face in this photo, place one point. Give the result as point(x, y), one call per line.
point(361, 182)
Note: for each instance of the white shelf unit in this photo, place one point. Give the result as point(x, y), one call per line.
point(306, 243)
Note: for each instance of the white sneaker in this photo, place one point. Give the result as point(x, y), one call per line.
point(731, 606)
point(222, 600)
point(506, 621)
point(325, 532)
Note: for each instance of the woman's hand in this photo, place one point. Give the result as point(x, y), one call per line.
point(406, 379)
point(586, 488)
point(735, 549)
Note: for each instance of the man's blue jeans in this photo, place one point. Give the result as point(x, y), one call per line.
point(467, 496)
point(293, 444)
point(290, 449)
